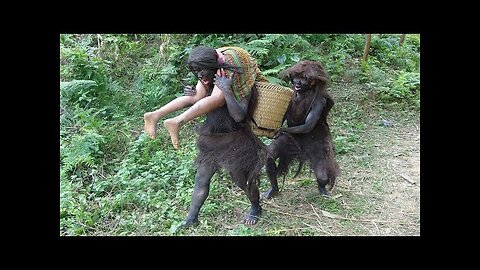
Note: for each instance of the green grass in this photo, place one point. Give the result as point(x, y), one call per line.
point(114, 180)
point(151, 192)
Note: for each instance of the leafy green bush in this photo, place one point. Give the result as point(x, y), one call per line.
point(77, 92)
point(81, 154)
point(406, 87)
point(115, 182)
point(81, 63)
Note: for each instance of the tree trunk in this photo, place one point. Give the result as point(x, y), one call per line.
point(367, 46)
point(402, 39)
point(99, 41)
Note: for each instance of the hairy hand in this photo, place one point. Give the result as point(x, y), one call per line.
point(189, 91)
point(223, 82)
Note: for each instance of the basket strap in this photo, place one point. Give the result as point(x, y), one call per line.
point(256, 125)
point(253, 120)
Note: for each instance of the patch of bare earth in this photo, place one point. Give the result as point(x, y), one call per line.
point(394, 174)
point(377, 193)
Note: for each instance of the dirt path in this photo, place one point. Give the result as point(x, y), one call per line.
point(395, 178)
point(372, 196)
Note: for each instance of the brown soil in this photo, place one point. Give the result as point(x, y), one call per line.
point(378, 192)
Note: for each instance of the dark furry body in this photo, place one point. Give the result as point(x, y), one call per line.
point(308, 137)
point(225, 143)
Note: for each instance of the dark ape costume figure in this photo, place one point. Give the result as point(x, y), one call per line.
point(226, 141)
point(307, 137)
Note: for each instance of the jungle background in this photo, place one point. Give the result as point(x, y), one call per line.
point(116, 181)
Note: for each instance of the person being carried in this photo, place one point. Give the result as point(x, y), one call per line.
point(208, 64)
point(225, 140)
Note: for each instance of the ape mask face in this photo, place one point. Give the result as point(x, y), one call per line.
point(205, 75)
point(301, 84)
point(305, 76)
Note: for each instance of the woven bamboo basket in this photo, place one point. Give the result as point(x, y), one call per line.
point(272, 105)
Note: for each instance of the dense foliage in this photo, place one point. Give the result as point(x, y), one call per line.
point(114, 180)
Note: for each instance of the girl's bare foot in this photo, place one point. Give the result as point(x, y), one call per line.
point(150, 125)
point(172, 126)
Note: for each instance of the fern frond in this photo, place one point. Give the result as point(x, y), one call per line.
point(274, 70)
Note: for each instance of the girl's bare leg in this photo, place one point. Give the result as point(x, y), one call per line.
point(151, 118)
point(203, 106)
